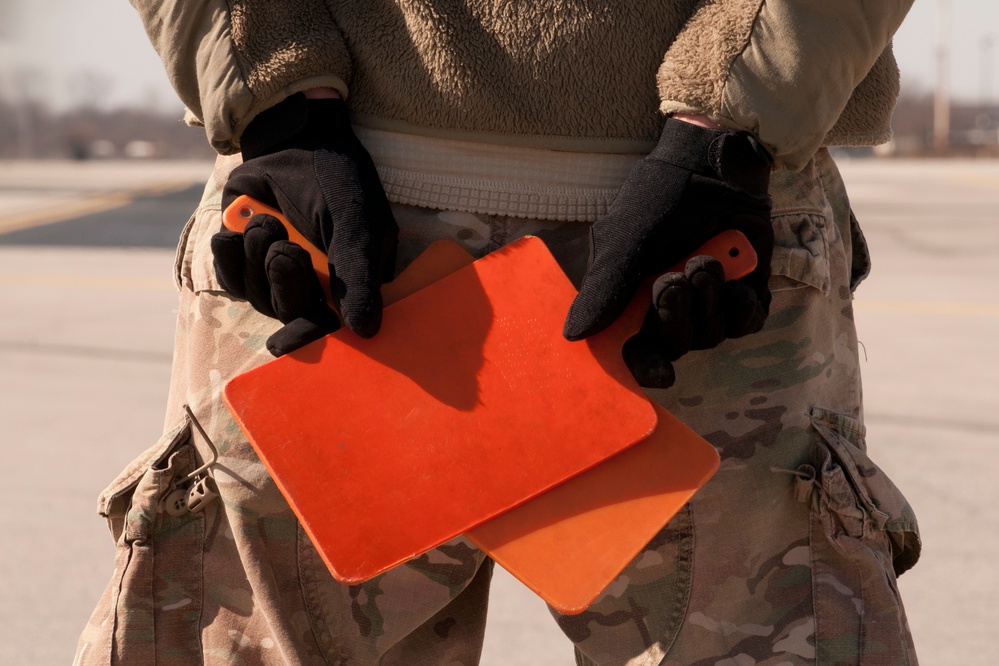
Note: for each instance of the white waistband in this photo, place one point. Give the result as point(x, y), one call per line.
point(493, 179)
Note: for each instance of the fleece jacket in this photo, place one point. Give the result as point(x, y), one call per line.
point(583, 76)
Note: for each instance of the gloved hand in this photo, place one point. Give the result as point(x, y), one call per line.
point(302, 158)
point(696, 183)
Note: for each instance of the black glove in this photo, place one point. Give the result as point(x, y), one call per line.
point(696, 183)
point(302, 158)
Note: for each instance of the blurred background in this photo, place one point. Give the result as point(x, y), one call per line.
point(98, 175)
point(79, 80)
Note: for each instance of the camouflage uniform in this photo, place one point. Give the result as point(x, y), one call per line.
point(788, 556)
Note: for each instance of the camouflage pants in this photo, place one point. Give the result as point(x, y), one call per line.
point(788, 556)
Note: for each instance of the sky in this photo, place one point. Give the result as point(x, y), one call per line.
point(73, 51)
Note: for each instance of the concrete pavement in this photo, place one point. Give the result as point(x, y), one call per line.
point(35, 193)
point(84, 368)
point(85, 350)
point(929, 319)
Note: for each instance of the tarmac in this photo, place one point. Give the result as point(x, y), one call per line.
point(85, 348)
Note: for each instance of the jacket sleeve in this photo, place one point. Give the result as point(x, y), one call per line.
point(782, 69)
point(229, 60)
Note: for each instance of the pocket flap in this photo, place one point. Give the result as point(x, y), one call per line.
point(801, 250)
point(154, 455)
point(883, 501)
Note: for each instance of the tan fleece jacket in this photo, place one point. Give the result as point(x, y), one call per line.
point(569, 75)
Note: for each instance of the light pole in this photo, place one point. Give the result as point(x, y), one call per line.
point(988, 41)
point(14, 81)
point(941, 97)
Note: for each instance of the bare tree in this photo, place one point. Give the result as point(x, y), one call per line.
point(10, 18)
point(89, 89)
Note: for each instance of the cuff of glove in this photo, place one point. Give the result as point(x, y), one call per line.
point(735, 157)
point(291, 122)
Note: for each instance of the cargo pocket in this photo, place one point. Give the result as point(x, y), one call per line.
point(193, 264)
point(863, 534)
point(195, 268)
point(860, 255)
point(802, 220)
point(154, 608)
point(801, 252)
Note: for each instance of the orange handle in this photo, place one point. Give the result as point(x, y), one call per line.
point(238, 215)
point(731, 248)
point(440, 259)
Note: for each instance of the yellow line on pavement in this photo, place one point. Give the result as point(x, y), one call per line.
point(159, 284)
point(64, 211)
point(984, 182)
point(87, 206)
point(929, 308)
point(85, 282)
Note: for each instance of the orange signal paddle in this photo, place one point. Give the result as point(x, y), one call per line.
point(570, 543)
point(466, 404)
